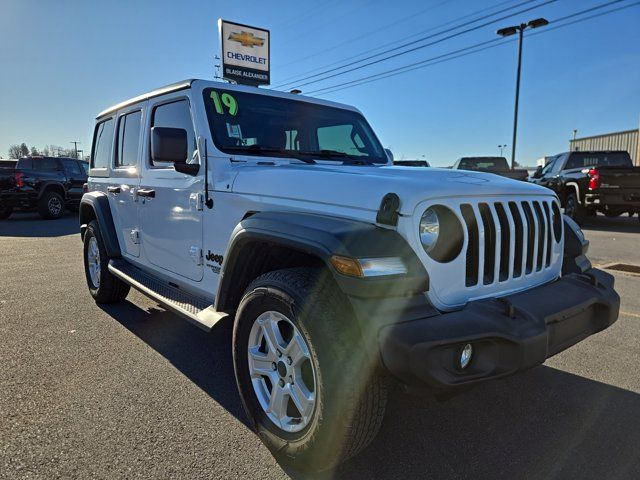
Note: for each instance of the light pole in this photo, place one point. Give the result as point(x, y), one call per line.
point(75, 144)
point(501, 147)
point(507, 32)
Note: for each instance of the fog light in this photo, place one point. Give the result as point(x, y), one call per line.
point(465, 356)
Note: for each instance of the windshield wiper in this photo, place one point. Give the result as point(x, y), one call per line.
point(263, 149)
point(329, 154)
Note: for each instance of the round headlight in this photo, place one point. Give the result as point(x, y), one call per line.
point(429, 229)
point(441, 233)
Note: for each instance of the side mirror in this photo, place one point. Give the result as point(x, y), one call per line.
point(389, 154)
point(538, 172)
point(170, 145)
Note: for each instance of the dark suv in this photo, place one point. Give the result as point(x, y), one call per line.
point(46, 184)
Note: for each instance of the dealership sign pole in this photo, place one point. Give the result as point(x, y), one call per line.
point(245, 53)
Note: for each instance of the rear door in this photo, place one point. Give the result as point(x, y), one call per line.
point(170, 201)
point(75, 179)
point(125, 177)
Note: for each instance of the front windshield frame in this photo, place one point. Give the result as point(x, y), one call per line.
point(309, 115)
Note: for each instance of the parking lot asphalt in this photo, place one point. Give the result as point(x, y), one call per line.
point(132, 391)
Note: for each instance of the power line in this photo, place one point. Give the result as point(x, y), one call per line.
point(476, 48)
point(419, 47)
point(394, 42)
point(366, 34)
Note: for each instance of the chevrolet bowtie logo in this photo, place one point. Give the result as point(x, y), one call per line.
point(247, 39)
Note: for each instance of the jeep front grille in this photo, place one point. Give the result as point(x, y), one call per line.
point(507, 240)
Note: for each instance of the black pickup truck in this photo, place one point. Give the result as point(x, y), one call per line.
point(46, 184)
point(590, 182)
point(497, 165)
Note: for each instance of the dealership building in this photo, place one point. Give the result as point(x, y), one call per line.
point(624, 140)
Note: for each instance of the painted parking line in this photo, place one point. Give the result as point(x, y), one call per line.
point(635, 315)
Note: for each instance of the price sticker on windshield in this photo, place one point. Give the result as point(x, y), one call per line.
point(224, 104)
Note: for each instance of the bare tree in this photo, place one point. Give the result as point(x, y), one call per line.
point(34, 151)
point(14, 151)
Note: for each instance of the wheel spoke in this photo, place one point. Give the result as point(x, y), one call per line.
point(278, 402)
point(297, 350)
point(272, 335)
point(260, 364)
point(302, 399)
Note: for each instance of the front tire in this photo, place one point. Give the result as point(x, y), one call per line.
point(51, 205)
point(307, 384)
point(103, 285)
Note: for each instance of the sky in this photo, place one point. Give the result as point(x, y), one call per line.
point(63, 61)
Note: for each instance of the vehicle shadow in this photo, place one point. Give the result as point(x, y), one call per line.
point(543, 423)
point(30, 224)
point(621, 224)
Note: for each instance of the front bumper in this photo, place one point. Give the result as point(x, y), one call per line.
point(509, 334)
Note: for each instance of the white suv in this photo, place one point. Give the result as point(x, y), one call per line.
point(343, 274)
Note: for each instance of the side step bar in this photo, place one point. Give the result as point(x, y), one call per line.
point(197, 310)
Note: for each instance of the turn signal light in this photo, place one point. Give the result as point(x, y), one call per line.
point(347, 266)
point(594, 179)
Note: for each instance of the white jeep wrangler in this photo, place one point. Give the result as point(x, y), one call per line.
point(343, 274)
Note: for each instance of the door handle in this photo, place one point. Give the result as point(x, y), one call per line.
point(146, 193)
point(113, 189)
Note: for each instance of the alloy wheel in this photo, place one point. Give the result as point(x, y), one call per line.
point(282, 372)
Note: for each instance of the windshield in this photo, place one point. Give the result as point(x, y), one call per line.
point(262, 125)
point(485, 163)
point(599, 159)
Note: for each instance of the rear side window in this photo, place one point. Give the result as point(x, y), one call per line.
point(128, 139)
point(45, 164)
point(25, 164)
point(102, 142)
point(586, 159)
point(175, 115)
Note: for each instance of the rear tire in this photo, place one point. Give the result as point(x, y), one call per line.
point(103, 285)
point(51, 205)
point(573, 209)
point(5, 212)
point(348, 394)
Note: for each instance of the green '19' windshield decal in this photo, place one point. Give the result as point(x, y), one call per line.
point(224, 100)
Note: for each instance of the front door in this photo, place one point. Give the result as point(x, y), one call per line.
point(170, 206)
point(126, 178)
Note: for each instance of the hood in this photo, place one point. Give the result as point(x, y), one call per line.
point(362, 187)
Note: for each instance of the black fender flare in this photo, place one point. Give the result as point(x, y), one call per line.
point(323, 236)
point(96, 205)
point(47, 186)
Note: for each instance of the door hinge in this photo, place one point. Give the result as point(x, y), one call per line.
point(135, 236)
point(197, 199)
point(196, 254)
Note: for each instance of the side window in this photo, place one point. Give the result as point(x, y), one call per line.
point(175, 115)
point(102, 142)
point(574, 162)
point(45, 164)
point(558, 164)
point(72, 167)
point(547, 168)
point(25, 164)
point(128, 139)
